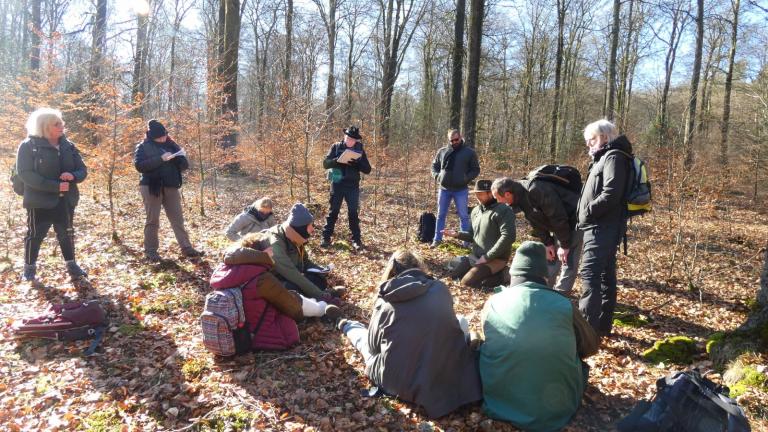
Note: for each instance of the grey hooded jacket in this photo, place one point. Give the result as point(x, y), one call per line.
point(419, 351)
point(602, 199)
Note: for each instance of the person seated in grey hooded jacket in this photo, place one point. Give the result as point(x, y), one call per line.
point(254, 218)
point(415, 347)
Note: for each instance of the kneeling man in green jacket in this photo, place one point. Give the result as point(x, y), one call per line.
point(492, 232)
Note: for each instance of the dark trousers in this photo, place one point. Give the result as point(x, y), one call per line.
point(39, 221)
point(351, 194)
point(598, 277)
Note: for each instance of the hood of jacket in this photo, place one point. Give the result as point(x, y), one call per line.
point(230, 276)
point(619, 143)
point(406, 286)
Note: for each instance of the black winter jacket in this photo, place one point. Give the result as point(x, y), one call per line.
point(350, 173)
point(40, 164)
point(550, 209)
point(453, 168)
point(154, 171)
point(602, 199)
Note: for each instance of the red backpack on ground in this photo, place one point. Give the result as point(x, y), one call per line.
point(67, 322)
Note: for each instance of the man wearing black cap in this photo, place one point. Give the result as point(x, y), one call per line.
point(161, 161)
point(492, 232)
point(344, 173)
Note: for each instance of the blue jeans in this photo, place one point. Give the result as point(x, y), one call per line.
point(461, 199)
point(351, 194)
point(357, 334)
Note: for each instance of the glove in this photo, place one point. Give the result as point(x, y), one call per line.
point(328, 298)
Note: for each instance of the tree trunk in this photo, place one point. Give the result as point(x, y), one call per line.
point(286, 85)
point(229, 62)
point(474, 45)
point(554, 118)
point(762, 295)
point(458, 64)
point(99, 41)
point(140, 57)
point(35, 28)
point(608, 110)
point(695, 74)
point(678, 23)
point(735, 4)
point(623, 78)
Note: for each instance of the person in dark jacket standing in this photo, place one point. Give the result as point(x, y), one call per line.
point(551, 211)
point(161, 161)
point(345, 185)
point(50, 167)
point(454, 167)
point(602, 218)
point(415, 348)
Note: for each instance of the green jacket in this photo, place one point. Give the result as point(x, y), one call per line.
point(529, 366)
point(492, 231)
point(292, 260)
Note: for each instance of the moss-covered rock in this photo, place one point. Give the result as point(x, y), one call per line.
point(675, 349)
point(713, 340)
point(742, 375)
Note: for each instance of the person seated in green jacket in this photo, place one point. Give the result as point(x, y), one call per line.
point(292, 263)
point(492, 232)
point(534, 340)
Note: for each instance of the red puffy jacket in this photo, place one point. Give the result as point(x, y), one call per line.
point(278, 331)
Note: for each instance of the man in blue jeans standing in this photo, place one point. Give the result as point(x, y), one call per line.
point(454, 167)
point(345, 184)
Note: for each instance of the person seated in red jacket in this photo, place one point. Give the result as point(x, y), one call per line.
point(248, 263)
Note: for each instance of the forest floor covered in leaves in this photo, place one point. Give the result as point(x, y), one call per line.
point(691, 274)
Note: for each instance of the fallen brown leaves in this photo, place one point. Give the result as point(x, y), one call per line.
point(153, 373)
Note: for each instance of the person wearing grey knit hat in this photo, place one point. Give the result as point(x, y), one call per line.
point(292, 263)
point(529, 263)
point(517, 370)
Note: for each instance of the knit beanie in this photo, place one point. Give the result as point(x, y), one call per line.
point(530, 260)
point(155, 129)
point(299, 218)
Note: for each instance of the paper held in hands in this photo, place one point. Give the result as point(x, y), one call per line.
point(179, 153)
point(326, 269)
point(349, 155)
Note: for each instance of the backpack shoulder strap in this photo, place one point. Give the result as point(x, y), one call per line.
point(714, 396)
point(261, 319)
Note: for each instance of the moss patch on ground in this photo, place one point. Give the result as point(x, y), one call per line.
point(743, 375)
point(675, 349)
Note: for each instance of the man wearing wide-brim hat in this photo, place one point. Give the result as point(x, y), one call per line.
point(344, 174)
point(492, 232)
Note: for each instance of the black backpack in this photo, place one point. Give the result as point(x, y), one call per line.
point(564, 175)
point(15, 180)
point(686, 402)
point(427, 224)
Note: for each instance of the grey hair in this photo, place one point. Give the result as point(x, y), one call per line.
point(452, 132)
point(399, 262)
point(601, 127)
point(263, 202)
point(503, 185)
point(40, 119)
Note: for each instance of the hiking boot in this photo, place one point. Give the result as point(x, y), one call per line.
point(75, 272)
point(153, 257)
point(325, 244)
point(341, 323)
point(357, 245)
point(30, 272)
point(191, 252)
point(332, 312)
point(435, 244)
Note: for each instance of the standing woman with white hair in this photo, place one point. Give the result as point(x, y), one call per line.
point(50, 167)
